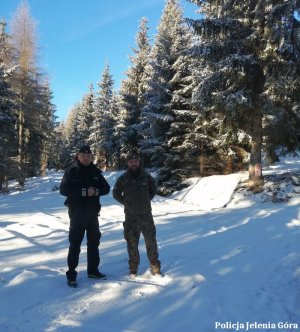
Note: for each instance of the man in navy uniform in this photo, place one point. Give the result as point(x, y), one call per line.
point(83, 184)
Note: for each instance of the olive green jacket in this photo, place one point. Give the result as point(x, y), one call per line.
point(135, 192)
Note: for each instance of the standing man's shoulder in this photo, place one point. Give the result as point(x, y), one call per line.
point(151, 183)
point(95, 168)
point(125, 175)
point(70, 169)
point(72, 166)
point(146, 174)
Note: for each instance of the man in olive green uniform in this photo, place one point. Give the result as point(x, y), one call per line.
point(134, 189)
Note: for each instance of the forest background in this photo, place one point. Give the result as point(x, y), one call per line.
point(212, 95)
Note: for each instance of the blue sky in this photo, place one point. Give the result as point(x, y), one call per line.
point(78, 37)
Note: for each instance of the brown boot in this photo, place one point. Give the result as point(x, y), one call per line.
point(155, 269)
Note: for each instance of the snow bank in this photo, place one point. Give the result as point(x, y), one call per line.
point(211, 192)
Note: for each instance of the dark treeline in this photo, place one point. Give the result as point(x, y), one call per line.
point(207, 96)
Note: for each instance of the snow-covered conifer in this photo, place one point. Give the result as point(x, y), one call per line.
point(85, 116)
point(33, 102)
point(166, 108)
point(131, 92)
point(103, 120)
point(179, 158)
point(253, 60)
point(8, 137)
point(73, 138)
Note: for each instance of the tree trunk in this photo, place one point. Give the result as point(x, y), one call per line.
point(21, 176)
point(6, 183)
point(229, 165)
point(44, 161)
point(255, 166)
point(201, 161)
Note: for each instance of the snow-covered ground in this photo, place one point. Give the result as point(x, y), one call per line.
point(229, 261)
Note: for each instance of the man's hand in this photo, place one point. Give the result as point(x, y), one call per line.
point(91, 191)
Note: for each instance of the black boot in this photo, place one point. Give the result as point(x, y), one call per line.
point(71, 278)
point(97, 275)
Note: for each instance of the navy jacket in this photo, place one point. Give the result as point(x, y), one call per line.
point(75, 183)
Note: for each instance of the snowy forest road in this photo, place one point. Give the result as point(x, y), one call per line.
point(233, 264)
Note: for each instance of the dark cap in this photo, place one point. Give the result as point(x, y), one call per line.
point(131, 156)
point(85, 149)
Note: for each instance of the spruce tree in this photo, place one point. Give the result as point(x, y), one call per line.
point(132, 90)
point(115, 139)
point(40, 121)
point(179, 163)
point(34, 98)
point(8, 137)
point(73, 137)
point(103, 119)
point(85, 116)
point(120, 147)
point(216, 148)
point(252, 61)
point(24, 47)
point(59, 148)
point(46, 128)
point(166, 114)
